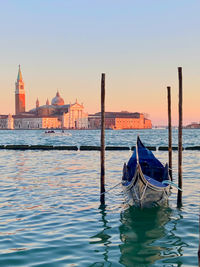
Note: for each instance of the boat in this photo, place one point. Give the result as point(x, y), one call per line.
point(145, 180)
point(57, 133)
point(49, 132)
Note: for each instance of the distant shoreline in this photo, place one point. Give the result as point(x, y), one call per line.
point(59, 130)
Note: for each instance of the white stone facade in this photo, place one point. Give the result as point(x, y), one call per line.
point(37, 123)
point(75, 118)
point(6, 122)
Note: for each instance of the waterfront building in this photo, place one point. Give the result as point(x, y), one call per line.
point(58, 115)
point(36, 122)
point(6, 122)
point(120, 120)
point(54, 115)
point(193, 125)
point(75, 117)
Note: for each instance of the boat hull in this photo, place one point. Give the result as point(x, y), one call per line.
point(141, 193)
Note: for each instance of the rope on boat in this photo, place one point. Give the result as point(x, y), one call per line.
point(166, 193)
point(139, 199)
point(111, 188)
point(172, 184)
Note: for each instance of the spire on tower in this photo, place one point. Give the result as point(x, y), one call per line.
point(19, 76)
point(47, 102)
point(37, 103)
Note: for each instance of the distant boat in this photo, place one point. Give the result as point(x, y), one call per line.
point(58, 133)
point(144, 177)
point(49, 131)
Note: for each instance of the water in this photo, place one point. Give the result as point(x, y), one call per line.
point(50, 213)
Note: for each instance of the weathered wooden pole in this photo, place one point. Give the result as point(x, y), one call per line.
point(102, 193)
point(179, 196)
point(169, 131)
point(199, 243)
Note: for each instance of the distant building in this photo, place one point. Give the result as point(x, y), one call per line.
point(6, 122)
point(68, 116)
point(193, 125)
point(36, 122)
point(54, 115)
point(120, 120)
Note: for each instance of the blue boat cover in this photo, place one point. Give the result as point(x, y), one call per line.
point(150, 165)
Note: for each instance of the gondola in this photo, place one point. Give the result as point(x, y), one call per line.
point(145, 179)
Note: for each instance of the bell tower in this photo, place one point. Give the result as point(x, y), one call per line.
point(19, 94)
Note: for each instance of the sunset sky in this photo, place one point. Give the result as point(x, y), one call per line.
point(65, 45)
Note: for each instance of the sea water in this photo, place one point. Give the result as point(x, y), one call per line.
point(50, 213)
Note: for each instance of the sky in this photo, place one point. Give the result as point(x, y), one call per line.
point(65, 45)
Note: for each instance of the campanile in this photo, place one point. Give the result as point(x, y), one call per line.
point(19, 94)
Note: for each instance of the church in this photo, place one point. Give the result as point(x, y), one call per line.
point(58, 115)
point(54, 115)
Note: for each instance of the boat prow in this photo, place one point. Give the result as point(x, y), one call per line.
point(142, 179)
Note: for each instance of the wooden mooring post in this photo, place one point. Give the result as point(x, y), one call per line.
point(199, 243)
point(169, 131)
point(180, 125)
point(102, 178)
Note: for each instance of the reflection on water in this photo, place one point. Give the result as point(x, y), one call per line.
point(50, 213)
point(148, 238)
point(139, 231)
point(20, 165)
point(102, 237)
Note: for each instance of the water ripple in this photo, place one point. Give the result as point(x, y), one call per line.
point(50, 213)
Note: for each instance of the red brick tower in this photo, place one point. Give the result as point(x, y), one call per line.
point(19, 94)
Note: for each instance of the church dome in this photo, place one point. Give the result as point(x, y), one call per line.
point(57, 100)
